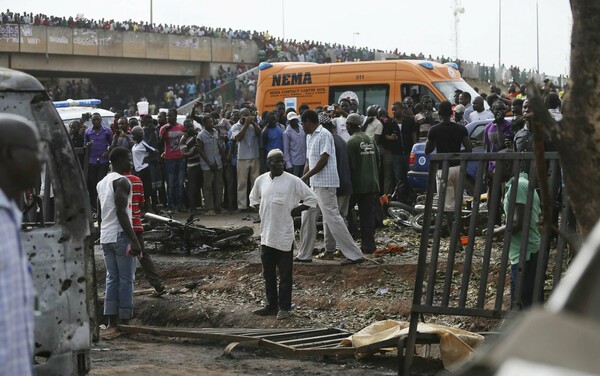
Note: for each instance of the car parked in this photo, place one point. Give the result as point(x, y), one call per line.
point(77, 109)
point(419, 161)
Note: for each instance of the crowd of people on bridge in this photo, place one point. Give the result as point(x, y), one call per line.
point(272, 48)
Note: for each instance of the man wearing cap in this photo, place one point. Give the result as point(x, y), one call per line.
point(321, 171)
point(459, 111)
point(294, 145)
point(278, 195)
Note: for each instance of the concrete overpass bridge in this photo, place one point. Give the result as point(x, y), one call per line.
point(53, 52)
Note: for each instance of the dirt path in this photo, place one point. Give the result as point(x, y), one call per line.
point(220, 289)
point(143, 355)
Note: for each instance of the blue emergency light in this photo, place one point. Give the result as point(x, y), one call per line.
point(264, 65)
point(453, 65)
point(426, 65)
point(77, 102)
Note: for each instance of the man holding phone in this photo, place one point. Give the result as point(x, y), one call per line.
point(246, 134)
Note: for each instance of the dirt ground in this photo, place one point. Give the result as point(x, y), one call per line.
point(220, 289)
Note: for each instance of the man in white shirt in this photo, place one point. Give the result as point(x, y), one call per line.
point(465, 100)
point(117, 238)
point(340, 122)
point(277, 195)
point(479, 111)
point(141, 152)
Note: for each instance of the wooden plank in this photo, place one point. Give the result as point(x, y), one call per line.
point(185, 333)
point(301, 334)
point(287, 350)
point(317, 339)
point(328, 343)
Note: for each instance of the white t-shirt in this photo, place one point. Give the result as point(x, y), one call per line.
point(374, 128)
point(484, 115)
point(110, 226)
point(277, 197)
point(139, 151)
point(340, 128)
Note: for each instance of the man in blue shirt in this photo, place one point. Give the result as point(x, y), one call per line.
point(246, 134)
point(99, 138)
point(272, 135)
point(294, 146)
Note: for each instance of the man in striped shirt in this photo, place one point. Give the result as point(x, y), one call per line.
point(137, 203)
point(321, 172)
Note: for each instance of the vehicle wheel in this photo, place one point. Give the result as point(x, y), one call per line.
point(400, 211)
point(233, 236)
point(156, 235)
point(416, 223)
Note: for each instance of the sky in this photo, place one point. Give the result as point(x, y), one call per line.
point(411, 26)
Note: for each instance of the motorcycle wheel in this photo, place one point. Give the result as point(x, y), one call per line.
point(156, 235)
point(400, 211)
point(232, 236)
point(416, 223)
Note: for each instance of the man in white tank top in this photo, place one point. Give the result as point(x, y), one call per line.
point(118, 240)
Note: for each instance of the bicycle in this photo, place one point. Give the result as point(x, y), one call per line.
point(171, 232)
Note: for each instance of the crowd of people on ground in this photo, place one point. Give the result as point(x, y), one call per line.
point(212, 162)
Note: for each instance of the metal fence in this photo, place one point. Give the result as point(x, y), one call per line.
point(472, 281)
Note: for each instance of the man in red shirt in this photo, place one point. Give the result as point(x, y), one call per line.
point(137, 203)
point(170, 136)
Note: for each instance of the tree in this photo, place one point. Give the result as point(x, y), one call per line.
point(577, 136)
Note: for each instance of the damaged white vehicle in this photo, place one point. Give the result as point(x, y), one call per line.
point(56, 236)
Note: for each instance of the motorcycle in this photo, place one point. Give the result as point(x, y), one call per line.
point(173, 233)
point(394, 209)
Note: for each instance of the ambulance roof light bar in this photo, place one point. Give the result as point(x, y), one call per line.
point(77, 102)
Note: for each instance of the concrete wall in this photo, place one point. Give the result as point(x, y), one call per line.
point(68, 41)
point(9, 38)
point(33, 39)
point(110, 43)
point(85, 42)
point(106, 65)
point(157, 46)
point(222, 49)
point(203, 52)
point(63, 49)
point(60, 40)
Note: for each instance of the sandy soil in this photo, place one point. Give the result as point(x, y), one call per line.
point(220, 288)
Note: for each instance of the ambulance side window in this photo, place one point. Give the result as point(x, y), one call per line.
point(365, 94)
point(416, 92)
